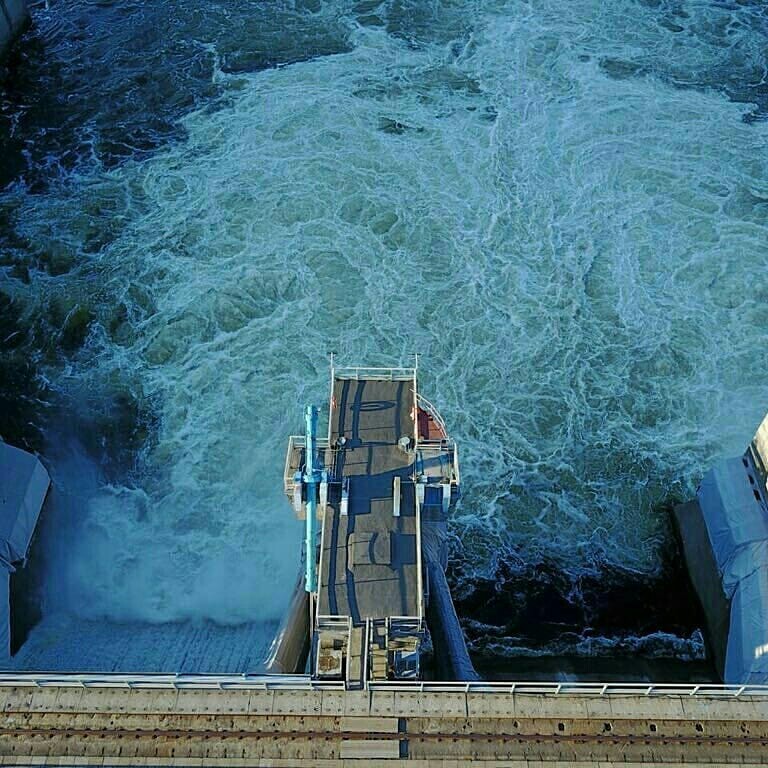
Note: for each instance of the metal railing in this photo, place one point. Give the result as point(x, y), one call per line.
point(575, 688)
point(367, 372)
point(305, 683)
point(165, 681)
point(445, 446)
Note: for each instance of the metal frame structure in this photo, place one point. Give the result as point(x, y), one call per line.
point(419, 560)
point(297, 441)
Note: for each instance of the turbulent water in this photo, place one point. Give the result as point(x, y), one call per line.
point(561, 207)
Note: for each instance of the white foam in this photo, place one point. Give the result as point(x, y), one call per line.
point(573, 255)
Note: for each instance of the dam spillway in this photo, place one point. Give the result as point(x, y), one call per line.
point(197, 193)
point(565, 241)
point(349, 681)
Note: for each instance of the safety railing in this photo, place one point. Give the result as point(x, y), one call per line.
point(575, 688)
point(304, 683)
point(366, 649)
point(366, 372)
point(334, 622)
point(431, 448)
point(164, 681)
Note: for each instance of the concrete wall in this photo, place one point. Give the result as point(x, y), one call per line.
point(705, 578)
point(14, 17)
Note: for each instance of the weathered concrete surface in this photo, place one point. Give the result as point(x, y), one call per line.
point(702, 568)
point(14, 18)
point(111, 726)
point(342, 763)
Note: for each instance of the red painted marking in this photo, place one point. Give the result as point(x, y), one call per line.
point(428, 427)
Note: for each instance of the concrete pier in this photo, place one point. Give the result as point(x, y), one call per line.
point(57, 725)
point(14, 18)
point(388, 482)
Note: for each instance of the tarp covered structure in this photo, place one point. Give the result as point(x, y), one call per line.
point(736, 521)
point(747, 658)
point(732, 500)
point(23, 486)
point(5, 613)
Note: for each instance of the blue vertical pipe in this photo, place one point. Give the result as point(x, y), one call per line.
point(311, 480)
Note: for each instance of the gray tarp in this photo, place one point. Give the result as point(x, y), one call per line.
point(737, 524)
point(5, 614)
point(747, 658)
point(23, 486)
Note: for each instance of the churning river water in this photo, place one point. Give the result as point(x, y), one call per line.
point(561, 206)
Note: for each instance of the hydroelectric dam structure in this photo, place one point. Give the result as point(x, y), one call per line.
point(370, 665)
